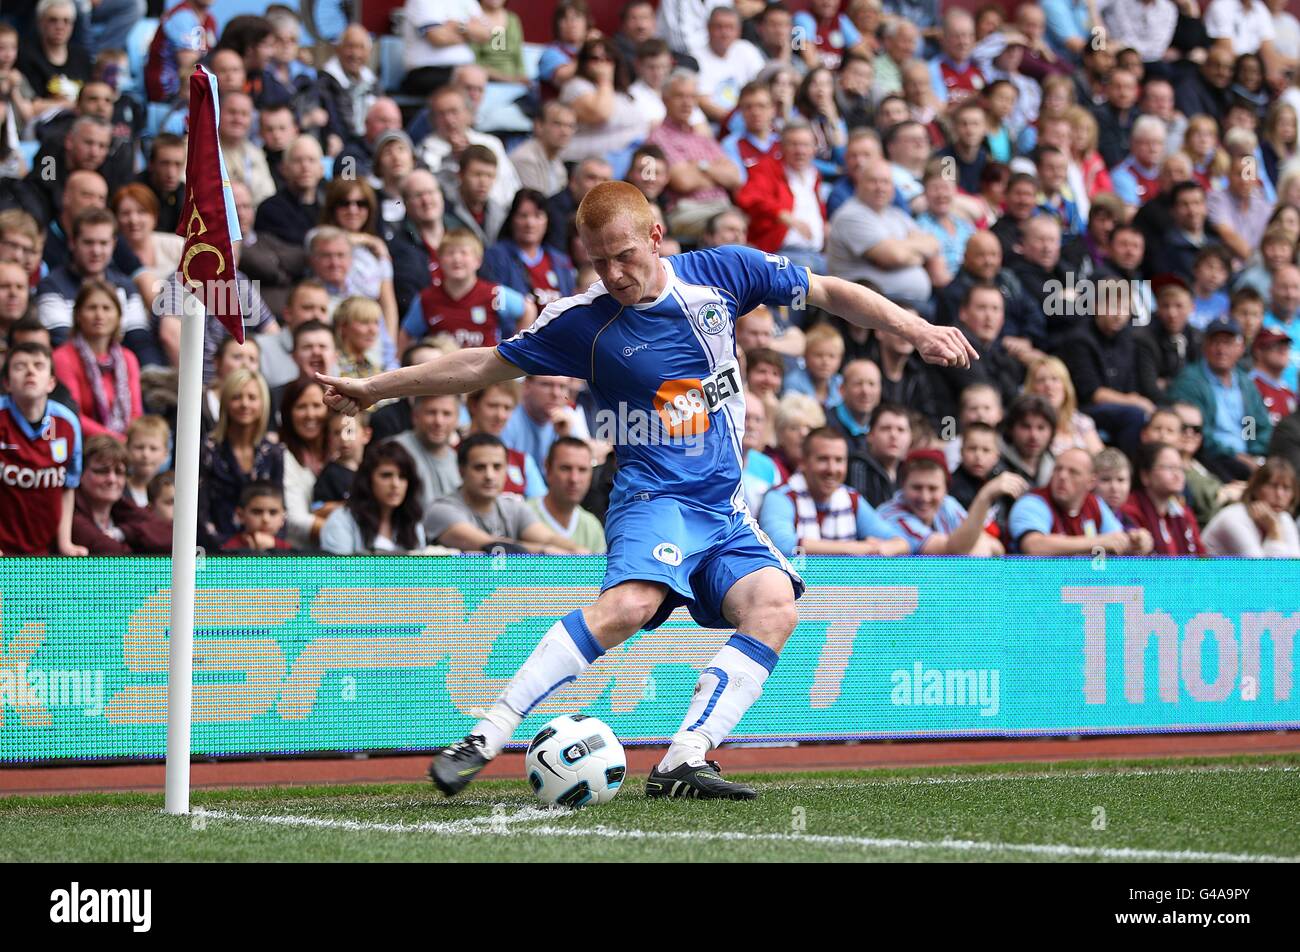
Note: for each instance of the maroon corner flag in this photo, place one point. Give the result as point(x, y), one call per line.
point(209, 223)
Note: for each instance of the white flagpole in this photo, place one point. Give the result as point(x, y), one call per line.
point(184, 530)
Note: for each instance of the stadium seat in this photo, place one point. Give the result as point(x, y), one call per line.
point(137, 50)
point(391, 66)
point(327, 163)
point(29, 150)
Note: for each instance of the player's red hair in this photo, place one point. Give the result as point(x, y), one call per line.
point(608, 201)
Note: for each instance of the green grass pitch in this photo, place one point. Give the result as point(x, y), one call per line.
point(1212, 809)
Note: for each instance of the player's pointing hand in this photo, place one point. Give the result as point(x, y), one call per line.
point(945, 346)
point(345, 395)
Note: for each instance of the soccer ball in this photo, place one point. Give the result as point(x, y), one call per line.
point(575, 760)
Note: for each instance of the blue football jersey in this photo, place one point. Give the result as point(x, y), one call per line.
point(664, 375)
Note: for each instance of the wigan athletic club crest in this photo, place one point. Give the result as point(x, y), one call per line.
point(711, 318)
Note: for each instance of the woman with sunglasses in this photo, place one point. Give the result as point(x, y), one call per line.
point(102, 520)
point(351, 204)
point(521, 261)
point(608, 120)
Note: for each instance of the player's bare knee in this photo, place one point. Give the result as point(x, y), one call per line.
point(622, 611)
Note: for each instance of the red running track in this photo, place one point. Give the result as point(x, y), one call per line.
point(861, 756)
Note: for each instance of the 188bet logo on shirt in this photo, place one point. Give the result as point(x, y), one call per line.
point(684, 405)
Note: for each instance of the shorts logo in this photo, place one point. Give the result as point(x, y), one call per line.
point(59, 449)
point(712, 318)
point(667, 553)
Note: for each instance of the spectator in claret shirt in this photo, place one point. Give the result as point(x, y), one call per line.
point(1272, 352)
point(1157, 506)
point(38, 512)
point(1066, 517)
point(105, 522)
point(521, 260)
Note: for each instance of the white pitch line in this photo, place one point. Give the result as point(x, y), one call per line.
point(496, 825)
point(472, 826)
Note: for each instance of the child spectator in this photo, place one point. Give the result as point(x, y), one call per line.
point(356, 326)
point(819, 377)
point(933, 522)
point(348, 439)
point(1248, 310)
point(1167, 344)
point(38, 512)
point(1210, 271)
point(147, 444)
point(162, 495)
point(1114, 478)
point(980, 462)
point(261, 518)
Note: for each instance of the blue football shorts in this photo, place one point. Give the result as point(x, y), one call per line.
point(698, 553)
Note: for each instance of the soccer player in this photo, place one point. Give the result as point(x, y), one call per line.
point(654, 339)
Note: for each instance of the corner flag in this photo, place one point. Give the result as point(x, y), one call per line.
point(208, 222)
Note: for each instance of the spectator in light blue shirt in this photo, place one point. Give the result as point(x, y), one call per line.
point(1069, 26)
point(815, 513)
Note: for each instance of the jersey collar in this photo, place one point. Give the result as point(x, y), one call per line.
point(669, 285)
point(29, 431)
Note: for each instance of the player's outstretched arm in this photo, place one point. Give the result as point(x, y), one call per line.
point(946, 346)
point(462, 371)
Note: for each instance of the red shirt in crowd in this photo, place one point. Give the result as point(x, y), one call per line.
point(38, 461)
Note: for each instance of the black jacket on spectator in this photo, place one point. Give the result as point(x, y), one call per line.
point(284, 216)
point(223, 482)
point(410, 265)
point(560, 209)
point(1038, 284)
point(1007, 230)
point(995, 367)
point(390, 420)
point(1114, 131)
point(1192, 95)
point(1023, 317)
point(1286, 439)
point(169, 206)
point(276, 264)
point(1161, 357)
point(1175, 252)
point(968, 173)
point(1097, 361)
point(869, 478)
point(963, 486)
point(334, 484)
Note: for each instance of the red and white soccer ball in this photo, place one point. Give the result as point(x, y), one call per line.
point(575, 761)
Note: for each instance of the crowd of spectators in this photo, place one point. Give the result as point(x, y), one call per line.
point(1103, 195)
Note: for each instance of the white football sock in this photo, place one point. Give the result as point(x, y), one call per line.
point(567, 649)
point(727, 688)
